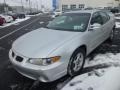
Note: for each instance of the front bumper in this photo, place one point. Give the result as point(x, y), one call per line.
point(42, 73)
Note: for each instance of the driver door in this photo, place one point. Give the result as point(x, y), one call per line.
point(95, 34)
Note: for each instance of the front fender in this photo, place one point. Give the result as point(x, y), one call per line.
point(66, 50)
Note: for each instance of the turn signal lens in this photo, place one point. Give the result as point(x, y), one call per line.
point(55, 59)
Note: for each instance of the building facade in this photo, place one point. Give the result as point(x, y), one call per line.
point(79, 4)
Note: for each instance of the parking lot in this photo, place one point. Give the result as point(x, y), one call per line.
point(12, 80)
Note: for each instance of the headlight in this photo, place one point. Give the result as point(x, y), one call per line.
point(44, 61)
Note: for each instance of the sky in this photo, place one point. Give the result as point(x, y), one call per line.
point(46, 3)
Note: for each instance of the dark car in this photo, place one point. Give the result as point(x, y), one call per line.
point(34, 13)
point(2, 21)
point(114, 10)
point(14, 16)
point(21, 15)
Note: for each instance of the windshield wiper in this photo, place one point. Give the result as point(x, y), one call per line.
point(54, 28)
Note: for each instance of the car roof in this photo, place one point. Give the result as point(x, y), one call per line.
point(83, 11)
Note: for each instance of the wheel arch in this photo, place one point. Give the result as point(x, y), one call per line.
point(83, 47)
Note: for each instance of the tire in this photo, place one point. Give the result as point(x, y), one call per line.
point(76, 62)
point(111, 35)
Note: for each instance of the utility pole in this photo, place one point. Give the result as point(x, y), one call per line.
point(22, 6)
point(34, 7)
point(41, 5)
point(30, 5)
point(37, 5)
point(4, 1)
point(4, 6)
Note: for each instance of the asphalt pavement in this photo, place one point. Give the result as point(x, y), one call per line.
point(10, 79)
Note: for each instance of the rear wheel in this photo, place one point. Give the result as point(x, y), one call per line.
point(76, 62)
point(111, 35)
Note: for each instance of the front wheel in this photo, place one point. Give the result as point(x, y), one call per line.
point(76, 62)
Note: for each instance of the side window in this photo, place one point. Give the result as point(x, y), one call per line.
point(96, 18)
point(105, 17)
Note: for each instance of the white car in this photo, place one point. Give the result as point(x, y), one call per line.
point(47, 54)
point(7, 18)
point(58, 12)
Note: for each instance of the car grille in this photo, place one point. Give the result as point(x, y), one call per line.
point(17, 58)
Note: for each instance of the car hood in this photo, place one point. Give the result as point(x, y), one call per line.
point(41, 42)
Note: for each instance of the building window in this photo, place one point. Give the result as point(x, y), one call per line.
point(73, 6)
point(81, 6)
point(64, 7)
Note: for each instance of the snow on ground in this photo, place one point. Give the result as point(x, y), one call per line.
point(41, 22)
point(16, 22)
point(117, 17)
point(117, 24)
point(101, 73)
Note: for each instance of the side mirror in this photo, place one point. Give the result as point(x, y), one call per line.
point(94, 26)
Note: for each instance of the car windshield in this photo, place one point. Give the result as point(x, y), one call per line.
point(70, 22)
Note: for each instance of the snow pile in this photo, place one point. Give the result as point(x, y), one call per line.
point(16, 22)
point(117, 17)
point(117, 24)
point(104, 59)
point(105, 74)
point(111, 80)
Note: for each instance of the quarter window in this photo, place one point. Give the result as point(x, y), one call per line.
point(96, 18)
point(105, 17)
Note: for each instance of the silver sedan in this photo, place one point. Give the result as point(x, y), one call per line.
point(47, 54)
